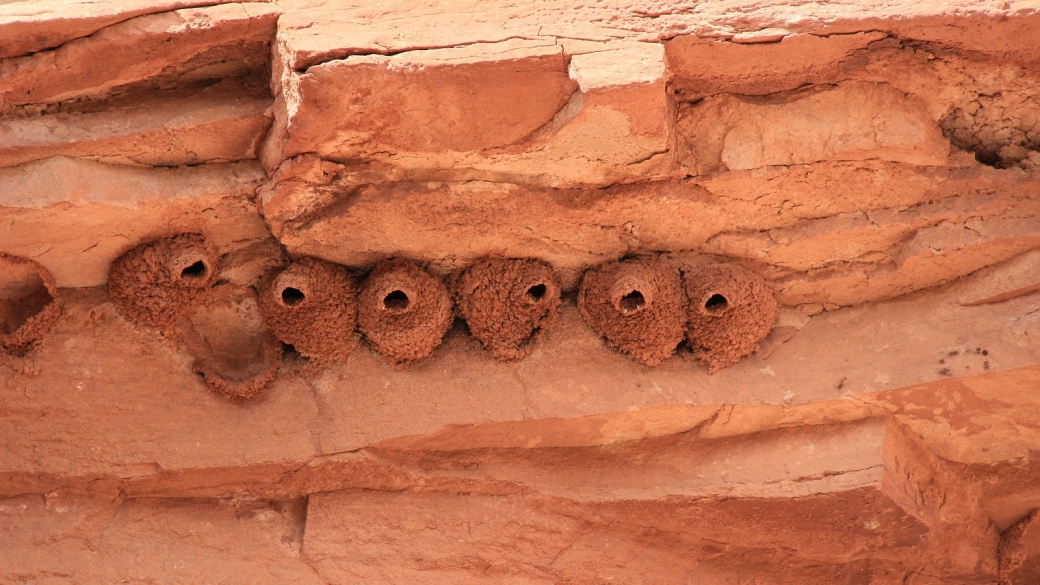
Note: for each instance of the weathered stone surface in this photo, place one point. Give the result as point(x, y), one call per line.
point(102, 422)
point(211, 126)
point(504, 111)
point(196, 43)
point(70, 537)
point(703, 67)
point(75, 216)
point(852, 121)
point(876, 164)
point(817, 248)
point(29, 27)
point(314, 32)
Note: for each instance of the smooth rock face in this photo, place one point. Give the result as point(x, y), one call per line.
point(873, 168)
point(852, 121)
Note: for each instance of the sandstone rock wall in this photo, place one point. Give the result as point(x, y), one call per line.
point(873, 169)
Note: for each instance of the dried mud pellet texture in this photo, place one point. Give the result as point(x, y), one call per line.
point(29, 306)
point(731, 312)
point(233, 349)
point(152, 283)
point(638, 306)
point(403, 311)
point(312, 305)
point(508, 304)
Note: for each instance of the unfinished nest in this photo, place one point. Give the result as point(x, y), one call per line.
point(233, 349)
point(312, 305)
point(638, 306)
point(508, 304)
point(731, 312)
point(403, 311)
point(155, 281)
point(29, 306)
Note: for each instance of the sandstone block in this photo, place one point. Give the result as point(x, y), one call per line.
point(705, 67)
point(849, 121)
point(510, 111)
point(182, 44)
point(208, 127)
point(70, 537)
point(450, 99)
point(135, 410)
point(30, 27)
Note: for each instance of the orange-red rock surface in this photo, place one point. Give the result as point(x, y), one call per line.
point(875, 167)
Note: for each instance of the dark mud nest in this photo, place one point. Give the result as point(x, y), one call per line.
point(312, 305)
point(154, 282)
point(403, 311)
point(233, 349)
point(638, 306)
point(29, 306)
point(508, 304)
point(731, 312)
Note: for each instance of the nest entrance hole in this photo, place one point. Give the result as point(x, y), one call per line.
point(716, 304)
point(536, 293)
point(195, 271)
point(292, 296)
point(631, 302)
point(396, 301)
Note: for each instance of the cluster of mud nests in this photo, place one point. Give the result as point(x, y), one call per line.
point(28, 303)
point(171, 284)
point(642, 307)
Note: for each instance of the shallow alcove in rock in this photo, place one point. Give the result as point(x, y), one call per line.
point(403, 310)
point(731, 312)
point(638, 306)
point(155, 281)
point(233, 349)
point(312, 305)
point(28, 307)
point(508, 303)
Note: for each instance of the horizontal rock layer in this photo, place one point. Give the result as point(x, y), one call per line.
point(878, 166)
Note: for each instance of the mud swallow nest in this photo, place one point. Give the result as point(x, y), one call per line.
point(155, 281)
point(312, 305)
point(403, 311)
point(731, 312)
point(508, 303)
point(233, 349)
point(29, 306)
point(638, 306)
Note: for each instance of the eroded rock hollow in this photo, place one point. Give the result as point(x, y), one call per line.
point(474, 291)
